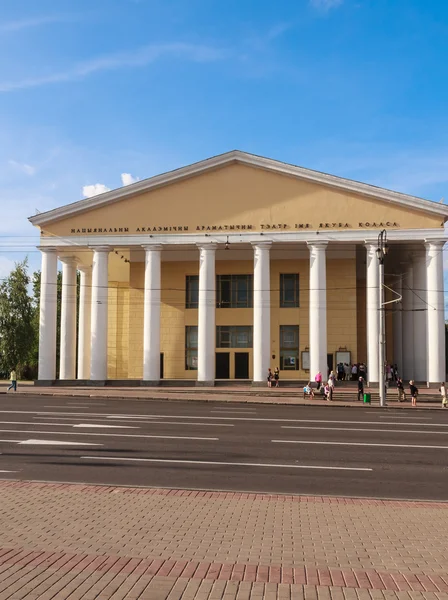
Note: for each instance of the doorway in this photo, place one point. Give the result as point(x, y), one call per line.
point(241, 365)
point(222, 364)
point(161, 365)
point(330, 363)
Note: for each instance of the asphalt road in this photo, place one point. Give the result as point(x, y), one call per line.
point(361, 451)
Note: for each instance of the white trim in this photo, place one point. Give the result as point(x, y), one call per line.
point(237, 156)
point(346, 235)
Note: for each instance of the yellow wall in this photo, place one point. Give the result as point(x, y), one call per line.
point(341, 325)
point(118, 331)
point(240, 195)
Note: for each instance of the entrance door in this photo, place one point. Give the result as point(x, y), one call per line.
point(161, 365)
point(329, 362)
point(241, 365)
point(222, 363)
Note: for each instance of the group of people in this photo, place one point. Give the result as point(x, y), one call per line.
point(346, 372)
point(274, 377)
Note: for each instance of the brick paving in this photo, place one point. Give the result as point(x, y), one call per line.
point(79, 541)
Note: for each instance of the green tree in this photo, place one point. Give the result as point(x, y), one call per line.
point(17, 327)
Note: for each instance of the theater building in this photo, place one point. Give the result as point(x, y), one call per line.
point(226, 267)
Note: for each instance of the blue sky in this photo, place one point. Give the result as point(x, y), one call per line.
point(93, 90)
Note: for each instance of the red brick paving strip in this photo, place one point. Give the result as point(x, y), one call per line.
point(225, 495)
point(23, 561)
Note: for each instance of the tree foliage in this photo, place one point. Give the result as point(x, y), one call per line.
point(17, 322)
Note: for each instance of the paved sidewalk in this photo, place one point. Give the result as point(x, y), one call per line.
point(75, 541)
point(344, 397)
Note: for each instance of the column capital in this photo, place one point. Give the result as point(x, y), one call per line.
point(263, 245)
point(152, 247)
point(47, 249)
point(104, 249)
point(69, 260)
point(85, 268)
point(207, 246)
point(317, 245)
point(435, 244)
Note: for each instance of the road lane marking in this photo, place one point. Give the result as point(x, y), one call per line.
point(65, 424)
point(214, 418)
point(232, 464)
point(54, 443)
point(123, 435)
point(365, 429)
point(98, 426)
point(2, 471)
point(358, 444)
point(153, 422)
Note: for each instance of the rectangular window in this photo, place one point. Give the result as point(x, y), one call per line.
point(289, 290)
point(191, 348)
point(230, 336)
point(234, 291)
point(192, 291)
point(289, 347)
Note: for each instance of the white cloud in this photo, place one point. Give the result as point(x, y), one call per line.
point(23, 167)
point(136, 58)
point(325, 4)
point(33, 22)
point(127, 179)
point(93, 190)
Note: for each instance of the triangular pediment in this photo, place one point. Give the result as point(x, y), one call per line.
point(237, 191)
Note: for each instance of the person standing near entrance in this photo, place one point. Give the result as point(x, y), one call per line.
point(13, 378)
point(400, 389)
point(269, 378)
point(360, 389)
point(318, 380)
point(277, 376)
point(414, 392)
point(443, 394)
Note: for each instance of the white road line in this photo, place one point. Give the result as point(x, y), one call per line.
point(63, 424)
point(413, 418)
point(358, 444)
point(123, 435)
point(214, 418)
point(98, 426)
point(11, 441)
point(54, 443)
point(366, 429)
point(1, 471)
point(152, 422)
point(232, 464)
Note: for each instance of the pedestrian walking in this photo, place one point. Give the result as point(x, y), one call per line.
point(442, 391)
point(277, 376)
point(318, 380)
point(354, 372)
point(414, 392)
point(13, 378)
point(270, 377)
point(347, 371)
point(360, 389)
point(400, 390)
point(330, 387)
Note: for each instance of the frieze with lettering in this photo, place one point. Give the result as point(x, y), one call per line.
point(217, 228)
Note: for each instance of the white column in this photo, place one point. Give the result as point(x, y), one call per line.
point(47, 317)
point(206, 315)
point(318, 309)
point(262, 311)
point(151, 317)
point(373, 313)
point(436, 312)
point(420, 318)
point(100, 292)
point(67, 358)
point(408, 322)
point(85, 313)
point(398, 325)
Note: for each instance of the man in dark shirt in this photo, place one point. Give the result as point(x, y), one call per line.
point(360, 389)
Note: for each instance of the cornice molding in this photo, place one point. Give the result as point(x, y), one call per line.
point(236, 156)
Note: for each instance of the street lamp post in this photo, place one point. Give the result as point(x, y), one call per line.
point(381, 253)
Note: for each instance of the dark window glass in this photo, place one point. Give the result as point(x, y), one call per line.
point(234, 291)
point(192, 291)
point(289, 347)
point(191, 348)
point(230, 336)
point(289, 290)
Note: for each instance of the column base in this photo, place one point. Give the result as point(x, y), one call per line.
point(150, 383)
point(97, 382)
point(205, 383)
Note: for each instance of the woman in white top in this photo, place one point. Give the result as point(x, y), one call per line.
point(443, 394)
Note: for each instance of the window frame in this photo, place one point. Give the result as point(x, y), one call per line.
point(283, 302)
point(189, 303)
point(234, 290)
point(191, 349)
point(289, 350)
point(233, 332)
